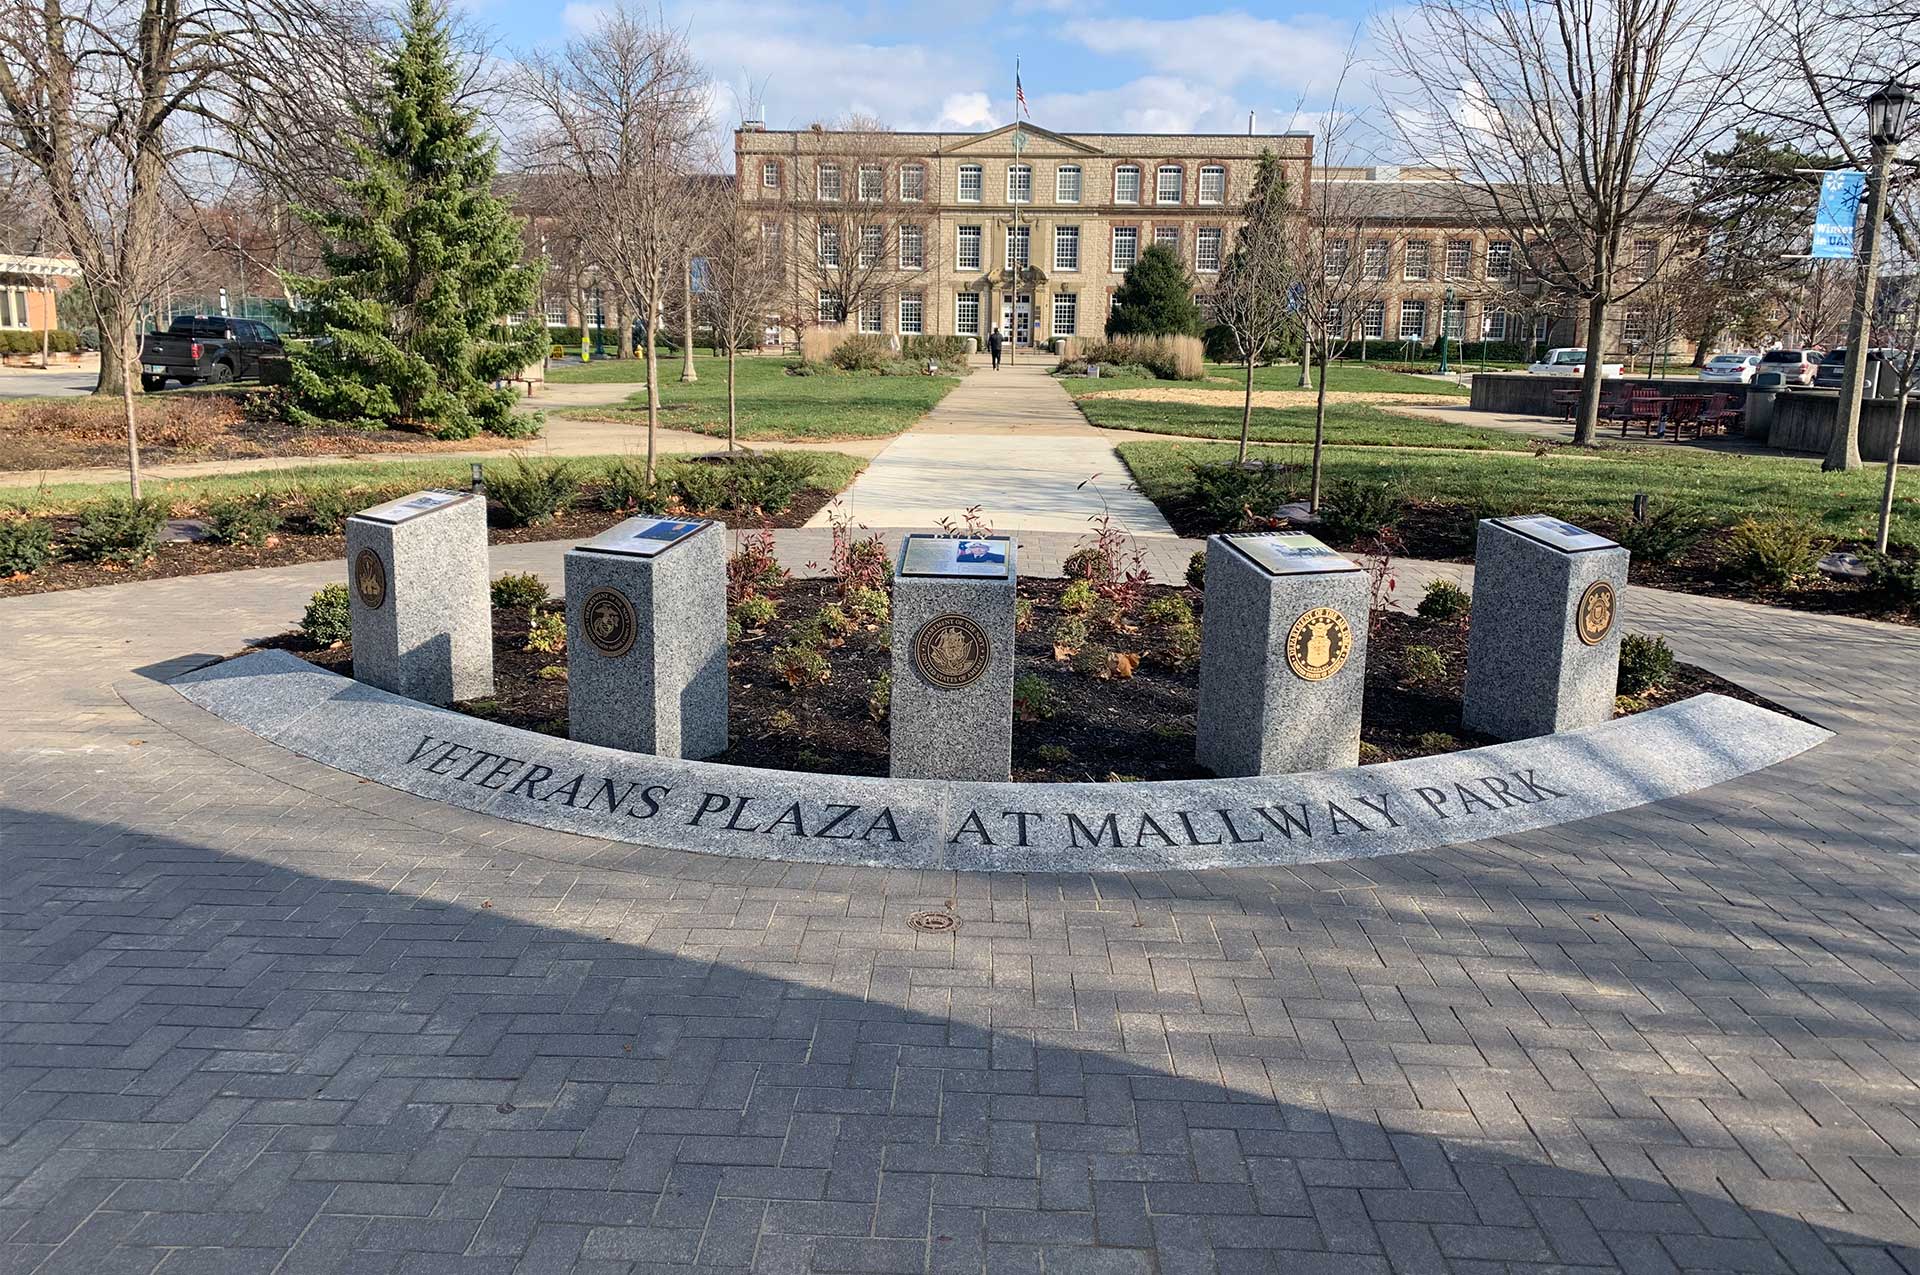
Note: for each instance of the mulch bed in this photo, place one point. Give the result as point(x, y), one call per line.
point(291, 547)
point(1135, 728)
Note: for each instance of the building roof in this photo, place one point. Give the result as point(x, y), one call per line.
point(39, 267)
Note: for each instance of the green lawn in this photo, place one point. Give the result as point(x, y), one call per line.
point(772, 404)
point(1348, 425)
point(1351, 377)
point(832, 472)
point(1597, 488)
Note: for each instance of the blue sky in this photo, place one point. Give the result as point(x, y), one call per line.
point(1087, 64)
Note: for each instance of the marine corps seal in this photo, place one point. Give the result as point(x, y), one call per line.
point(1318, 644)
point(951, 651)
point(607, 619)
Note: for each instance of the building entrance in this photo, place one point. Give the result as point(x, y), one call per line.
point(1016, 318)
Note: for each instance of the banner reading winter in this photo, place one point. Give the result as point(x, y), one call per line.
point(1839, 208)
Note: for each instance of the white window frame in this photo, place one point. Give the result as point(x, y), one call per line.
point(1132, 234)
point(1453, 319)
point(596, 308)
point(1458, 263)
point(1542, 324)
point(1373, 321)
point(963, 237)
point(827, 245)
point(1633, 324)
point(970, 175)
point(1167, 237)
point(1126, 170)
point(770, 174)
point(1067, 181)
point(827, 183)
point(556, 312)
point(1022, 240)
point(960, 306)
point(1646, 258)
point(1071, 326)
point(911, 314)
point(1333, 318)
point(1493, 324)
point(1376, 260)
point(1409, 308)
point(1420, 250)
point(829, 308)
point(873, 246)
point(1160, 176)
point(916, 190)
point(870, 191)
point(871, 320)
point(1218, 174)
point(1066, 248)
point(1333, 264)
point(1019, 183)
point(913, 247)
point(1202, 237)
point(1502, 249)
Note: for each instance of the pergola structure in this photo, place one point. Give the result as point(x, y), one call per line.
point(40, 274)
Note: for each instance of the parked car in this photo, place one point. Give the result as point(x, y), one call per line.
point(1795, 366)
point(199, 347)
point(1568, 362)
point(1734, 368)
point(1882, 365)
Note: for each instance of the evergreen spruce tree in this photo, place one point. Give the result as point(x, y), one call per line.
point(1155, 298)
point(424, 264)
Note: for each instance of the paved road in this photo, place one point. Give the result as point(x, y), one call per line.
point(258, 1016)
point(54, 382)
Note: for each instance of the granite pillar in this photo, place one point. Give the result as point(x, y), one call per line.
point(647, 638)
point(1283, 656)
point(952, 702)
point(420, 601)
point(1543, 649)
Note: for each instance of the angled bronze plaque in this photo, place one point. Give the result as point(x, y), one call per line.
point(1318, 644)
point(951, 651)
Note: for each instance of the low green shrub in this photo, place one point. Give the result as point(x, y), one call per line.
point(624, 488)
point(872, 605)
point(244, 519)
point(529, 492)
point(1168, 609)
point(519, 589)
point(1234, 495)
point(880, 696)
point(28, 341)
point(26, 545)
point(1894, 580)
point(756, 610)
point(1088, 563)
point(329, 617)
point(1078, 598)
point(1197, 570)
point(1069, 633)
point(1775, 553)
point(769, 481)
point(1445, 600)
point(950, 352)
point(546, 631)
point(117, 529)
point(700, 486)
point(1032, 698)
point(1092, 660)
point(1356, 507)
point(862, 354)
point(1422, 666)
point(1669, 531)
point(802, 665)
point(1646, 664)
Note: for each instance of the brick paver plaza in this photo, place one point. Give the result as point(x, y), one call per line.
point(259, 1016)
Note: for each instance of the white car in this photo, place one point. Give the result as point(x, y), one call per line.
point(1569, 363)
point(1797, 366)
point(1737, 369)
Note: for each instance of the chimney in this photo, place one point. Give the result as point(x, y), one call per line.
point(1249, 123)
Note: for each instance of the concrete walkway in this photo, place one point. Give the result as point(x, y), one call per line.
point(1010, 442)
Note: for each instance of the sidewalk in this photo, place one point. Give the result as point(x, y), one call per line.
point(1012, 443)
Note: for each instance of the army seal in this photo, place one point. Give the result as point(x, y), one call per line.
point(1593, 617)
point(951, 651)
point(1318, 644)
point(370, 579)
point(606, 617)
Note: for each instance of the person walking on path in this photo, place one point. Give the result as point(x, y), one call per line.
point(993, 347)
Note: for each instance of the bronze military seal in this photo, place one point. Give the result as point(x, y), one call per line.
point(606, 617)
point(1318, 644)
point(951, 651)
point(370, 579)
point(1593, 617)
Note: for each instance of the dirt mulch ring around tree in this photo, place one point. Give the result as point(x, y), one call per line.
point(291, 547)
point(1077, 727)
point(74, 433)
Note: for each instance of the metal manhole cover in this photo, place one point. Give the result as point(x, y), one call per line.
point(934, 922)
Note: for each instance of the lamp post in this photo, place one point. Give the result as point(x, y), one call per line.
point(1886, 117)
point(1446, 309)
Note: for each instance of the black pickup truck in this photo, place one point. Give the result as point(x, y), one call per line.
point(205, 348)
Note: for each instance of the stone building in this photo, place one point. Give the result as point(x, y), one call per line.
point(956, 233)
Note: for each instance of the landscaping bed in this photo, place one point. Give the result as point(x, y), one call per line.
point(1113, 701)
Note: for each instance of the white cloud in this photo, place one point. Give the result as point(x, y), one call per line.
point(963, 111)
point(1224, 48)
point(578, 18)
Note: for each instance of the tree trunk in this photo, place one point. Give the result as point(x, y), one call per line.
point(687, 374)
point(1319, 428)
point(653, 390)
point(1587, 418)
point(119, 343)
point(128, 384)
point(622, 313)
point(1246, 412)
point(732, 355)
point(1893, 470)
point(1306, 363)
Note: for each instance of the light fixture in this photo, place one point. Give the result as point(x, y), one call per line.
point(1887, 114)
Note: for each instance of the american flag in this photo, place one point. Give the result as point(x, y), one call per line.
point(1020, 94)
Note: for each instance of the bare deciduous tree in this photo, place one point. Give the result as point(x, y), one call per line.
point(744, 278)
point(1255, 294)
point(857, 215)
point(1569, 123)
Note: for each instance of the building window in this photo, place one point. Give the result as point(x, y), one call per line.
point(966, 313)
point(1206, 249)
point(1453, 320)
point(1493, 325)
point(1213, 184)
point(1373, 320)
point(912, 314)
point(873, 246)
point(1066, 184)
point(1413, 320)
point(873, 183)
point(1500, 259)
point(829, 244)
point(1633, 327)
point(969, 254)
point(870, 316)
point(826, 181)
point(556, 312)
point(1167, 183)
point(597, 309)
point(770, 242)
point(1126, 247)
point(913, 248)
point(1066, 247)
point(1066, 314)
point(1019, 242)
point(1419, 260)
point(1334, 257)
point(1020, 183)
point(1459, 258)
point(913, 182)
point(1167, 237)
point(1333, 320)
point(970, 184)
point(1373, 260)
point(1646, 254)
point(1541, 326)
point(1126, 184)
point(830, 311)
point(770, 174)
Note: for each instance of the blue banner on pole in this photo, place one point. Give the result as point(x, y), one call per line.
point(1839, 209)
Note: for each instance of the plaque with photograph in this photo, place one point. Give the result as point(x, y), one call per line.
point(1556, 533)
point(643, 537)
point(967, 556)
point(1284, 554)
point(421, 502)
